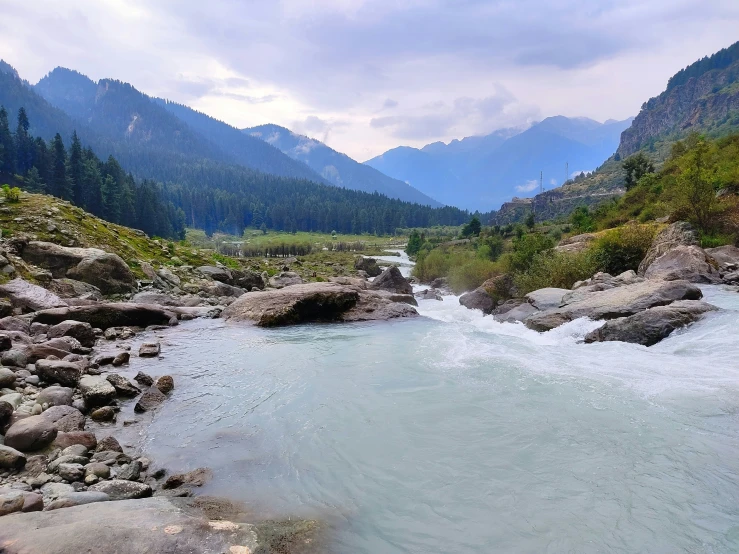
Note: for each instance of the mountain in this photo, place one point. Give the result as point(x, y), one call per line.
point(479, 173)
point(335, 167)
point(135, 127)
point(703, 97)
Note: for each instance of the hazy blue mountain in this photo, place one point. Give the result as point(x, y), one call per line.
point(335, 167)
point(480, 173)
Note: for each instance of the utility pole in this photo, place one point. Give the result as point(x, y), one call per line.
point(541, 182)
point(567, 171)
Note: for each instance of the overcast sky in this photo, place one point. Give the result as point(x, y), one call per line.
point(368, 75)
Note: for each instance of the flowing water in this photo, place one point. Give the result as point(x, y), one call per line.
point(454, 433)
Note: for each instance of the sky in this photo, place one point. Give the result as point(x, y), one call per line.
point(365, 76)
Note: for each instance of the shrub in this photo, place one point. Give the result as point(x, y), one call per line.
point(623, 248)
point(471, 274)
point(12, 194)
point(524, 250)
point(554, 269)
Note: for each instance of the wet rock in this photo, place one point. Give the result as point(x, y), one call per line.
point(151, 398)
point(143, 379)
point(428, 294)
point(165, 384)
point(368, 265)
point(120, 489)
point(28, 296)
point(77, 499)
point(512, 311)
point(149, 349)
point(478, 299)
point(195, 478)
point(108, 272)
point(119, 333)
point(108, 444)
point(31, 433)
point(380, 305)
point(616, 302)
point(652, 325)
point(121, 358)
point(71, 472)
point(106, 315)
point(122, 386)
point(10, 458)
point(77, 329)
point(104, 414)
point(547, 298)
point(56, 396)
point(689, 263)
point(391, 279)
point(96, 390)
point(130, 472)
point(58, 371)
point(285, 279)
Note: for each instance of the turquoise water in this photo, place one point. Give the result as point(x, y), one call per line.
point(454, 433)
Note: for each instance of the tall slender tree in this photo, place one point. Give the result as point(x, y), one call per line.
point(7, 147)
point(76, 170)
point(59, 184)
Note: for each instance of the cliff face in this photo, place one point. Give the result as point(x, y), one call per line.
point(708, 102)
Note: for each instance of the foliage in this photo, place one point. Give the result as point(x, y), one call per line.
point(12, 194)
point(623, 249)
point(636, 167)
point(530, 221)
point(554, 269)
point(582, 221)
point(472, 229)
point(694, 190)
point(471, 274)
point(490, 247)
point(720, 60)
point(415, 241)
point(525, 249)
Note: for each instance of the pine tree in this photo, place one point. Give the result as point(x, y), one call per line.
point(24, 144)
point(7, 147)
point(76, 170)
point(59, 185)
point(34, 183)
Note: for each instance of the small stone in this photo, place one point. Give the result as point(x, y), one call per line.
point(7, 377)
point(120, 489)
point(71, 472)
point(98, 469)
point(121, 358)
point(165, 383)
point(108, 444)
point(149, 400)
point(106, 413)
point(131, 472)
point(75, 450)
point(143, 379)
point(149, 349)
point(10, 458)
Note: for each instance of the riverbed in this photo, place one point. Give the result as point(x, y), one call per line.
point(454, 433)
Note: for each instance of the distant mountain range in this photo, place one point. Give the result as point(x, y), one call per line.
point(480, 173)
point(335, 167)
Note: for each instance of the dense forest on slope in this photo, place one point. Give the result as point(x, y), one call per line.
point(337, 168)
point(720, 60)
point(77, 174)
point(215, 195)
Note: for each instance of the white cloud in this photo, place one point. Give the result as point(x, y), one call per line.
point(528, 186)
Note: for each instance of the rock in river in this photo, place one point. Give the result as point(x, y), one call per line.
point(96, 390)
point(106, 315)
point(391, 279)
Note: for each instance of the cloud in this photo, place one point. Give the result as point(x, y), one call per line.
point(314, 125)
point(528, 186)
point(389, 104)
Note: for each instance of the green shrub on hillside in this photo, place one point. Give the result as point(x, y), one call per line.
point(555, 269)
point(471, 274)
point(624, 248)
point(524, 250)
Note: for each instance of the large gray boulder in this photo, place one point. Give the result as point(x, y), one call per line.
point(70, 288)
point(726, 256)
point(285, 279)
point(478, 299)
point(216, 273)
point(151, 525)
point(677, 234)
point(66, 419)
point(652, 325)
point(28, 296)
point(59, 371)
point(30, 433)
point(547, 298)
point(56, 396)
point(689, 263)
point(80, 330)
point(113, 314)
point(122, 489)
point(368, 265)
point(615, 302)
point(108, 272)
point(391, 279)
point(10, 458)
point(513, 311)
point(96, 390)
point(312, 302)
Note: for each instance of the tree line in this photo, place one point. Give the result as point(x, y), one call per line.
point(76, 174)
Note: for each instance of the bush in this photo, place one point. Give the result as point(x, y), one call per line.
point(471, 274)
point(554, 269)
point(12, 194)
point(524, 250)
point(432, 265)
point(624, 248)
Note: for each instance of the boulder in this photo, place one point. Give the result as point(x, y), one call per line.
point(56, 396)
point(72, 499)
point(151, 399)
point(30, 297)
point(85, 438)
point(478, 299)
point(59, 371)
point(70, 288)
point(10, 323)
point(285, 279)
point(96, 390)
point(513, 311)
point(677, 234)
point(79, 330)
point(11, 502)
point(149, 350)
point(6, 413)
point(689, 263)
point(195, 478)
point(381, 305)
point(106, 413)
point(248, 280)
point(71, 472)
point(121, 489)
point(143, 379)
point(10, 458)
point(615, 302)
point(7, 378)
point(106, 271)
point(122, 386)
point(391, 279)
point(66, 419)
point(31, 433)
point(165, 383)
point(652, 325)
point(150, 525)
point(6, 342)
point(368, 265)
point(428, 294)
point(15, 357)
point(547, 298)
point(726, 256)
point(216, 273)
point(110, 444)
point(114, 314)
point(576, 243)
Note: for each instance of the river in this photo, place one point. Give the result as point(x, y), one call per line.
point(454, 433)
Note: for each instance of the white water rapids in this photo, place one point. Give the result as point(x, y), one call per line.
point(457, 434)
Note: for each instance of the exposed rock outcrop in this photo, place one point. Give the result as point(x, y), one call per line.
point(392, 280)
point(478, 299)
point(689, 263)
point(105, 315)
point(677, 234)
point(369, 265)
point(30, 297)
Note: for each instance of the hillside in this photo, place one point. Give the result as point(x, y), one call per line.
point(483, 172)
point(335, 167)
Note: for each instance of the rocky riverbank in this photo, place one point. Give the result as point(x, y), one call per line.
point(67, 334)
